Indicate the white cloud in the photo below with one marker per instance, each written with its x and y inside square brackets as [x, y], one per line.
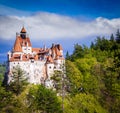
[52, 26]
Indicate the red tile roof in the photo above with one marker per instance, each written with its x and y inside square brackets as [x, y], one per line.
[23, 42]
[36, 50]
[19, 42]
[17, 46]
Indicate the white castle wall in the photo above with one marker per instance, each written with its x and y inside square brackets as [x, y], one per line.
[27, 50]
[50, 72]
[35, 71]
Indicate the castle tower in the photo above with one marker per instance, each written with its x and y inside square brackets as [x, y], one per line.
[38, 63]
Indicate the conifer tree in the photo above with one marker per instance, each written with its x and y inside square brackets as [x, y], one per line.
[19, 80]
[118, 36]
[67, 55]
[112, 38]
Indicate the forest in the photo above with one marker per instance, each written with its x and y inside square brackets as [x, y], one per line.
[90, 83]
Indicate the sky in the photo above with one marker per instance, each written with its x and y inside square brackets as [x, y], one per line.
[57, 21]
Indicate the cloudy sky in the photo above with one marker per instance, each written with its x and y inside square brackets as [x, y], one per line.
[57, 21]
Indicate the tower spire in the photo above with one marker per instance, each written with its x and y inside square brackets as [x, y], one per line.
[23, 30]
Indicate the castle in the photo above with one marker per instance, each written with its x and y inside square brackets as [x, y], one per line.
[38, 63]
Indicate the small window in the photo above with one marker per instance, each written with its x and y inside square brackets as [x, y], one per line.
[50, 67]
[32, 61]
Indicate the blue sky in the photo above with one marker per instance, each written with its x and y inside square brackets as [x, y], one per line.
[89, 8]
[57, 21]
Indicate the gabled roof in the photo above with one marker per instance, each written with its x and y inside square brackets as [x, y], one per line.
[56, 50]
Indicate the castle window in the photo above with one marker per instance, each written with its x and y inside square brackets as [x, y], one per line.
[50, 67]
[32, 61]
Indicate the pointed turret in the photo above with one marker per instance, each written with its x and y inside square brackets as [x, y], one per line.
[17, 46]
[23, 30]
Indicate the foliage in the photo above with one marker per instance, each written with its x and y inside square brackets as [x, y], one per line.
[44, 100]
[74, 78]
[99, 68]
[77, 53]
[83, 103]
[9, 103]
[2, 72]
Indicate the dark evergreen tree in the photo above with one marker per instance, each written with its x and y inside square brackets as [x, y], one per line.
[118, 36]
[92, 45]
[78, 52]
[112, 38]
[67, 55]
[19, 80]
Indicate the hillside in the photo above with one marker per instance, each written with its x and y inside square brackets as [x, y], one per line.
[98, 80]
[90, 84]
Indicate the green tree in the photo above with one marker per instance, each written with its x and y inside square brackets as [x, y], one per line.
[92, 45]
[112, 39]
[67, 55]
[83, 103]
[74, 78]
[2, 72]
[118, 36]
[43, 100]
[9, 103]
[85, 66]
[78, 52]
[57, 79]
[19, 80]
